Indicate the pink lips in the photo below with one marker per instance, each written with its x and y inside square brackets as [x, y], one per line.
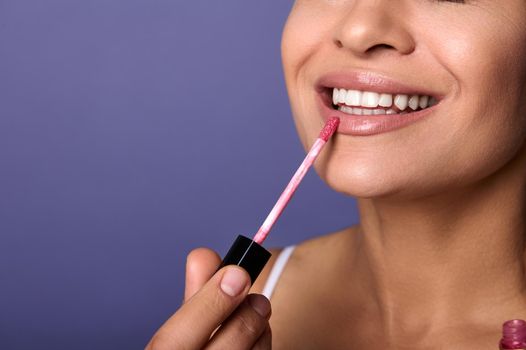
[364, 125]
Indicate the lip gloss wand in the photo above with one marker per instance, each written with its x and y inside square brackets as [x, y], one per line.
[249, 253]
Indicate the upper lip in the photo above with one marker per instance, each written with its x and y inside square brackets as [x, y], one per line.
[371, 81]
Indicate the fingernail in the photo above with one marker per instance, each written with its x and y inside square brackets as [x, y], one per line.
[260, 304]
[234, 281]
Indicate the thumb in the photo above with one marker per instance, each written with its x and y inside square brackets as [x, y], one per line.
[201, 264]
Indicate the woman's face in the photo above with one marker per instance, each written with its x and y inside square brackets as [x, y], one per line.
[470, 56]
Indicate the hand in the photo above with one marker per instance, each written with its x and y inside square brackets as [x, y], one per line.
[216, 302]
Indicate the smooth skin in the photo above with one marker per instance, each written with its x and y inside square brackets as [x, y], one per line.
[438, 260]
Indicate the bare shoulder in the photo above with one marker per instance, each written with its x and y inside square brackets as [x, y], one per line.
[325, 242]
[306, 255]
[310, 273]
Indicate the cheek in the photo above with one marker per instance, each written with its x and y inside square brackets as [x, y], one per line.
[308, 27]
[300, 39]
[487, 119]
[306, 36]
[293, 48]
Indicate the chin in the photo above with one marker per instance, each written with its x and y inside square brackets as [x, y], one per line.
[365, 178]
[360, 180]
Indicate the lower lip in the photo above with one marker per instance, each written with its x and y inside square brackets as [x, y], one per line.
[365, 125]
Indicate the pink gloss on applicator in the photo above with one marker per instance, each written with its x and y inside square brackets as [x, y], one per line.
[248, 253]
[513, 335]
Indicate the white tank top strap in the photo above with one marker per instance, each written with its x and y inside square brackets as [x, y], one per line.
[276, 271]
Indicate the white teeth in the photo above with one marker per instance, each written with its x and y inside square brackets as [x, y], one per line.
[335, 93]
[423, 101]
[413, 102]
[338, 96]
[346, 109]
[353, 98]
[364, 111]
[386, 100]
[370, 99]
[400, 101]
[342, 95]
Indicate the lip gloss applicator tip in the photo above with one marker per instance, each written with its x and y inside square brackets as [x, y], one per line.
[513, 335]
[329, 129]
[249, 253]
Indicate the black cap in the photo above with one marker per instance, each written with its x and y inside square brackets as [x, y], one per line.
[248, 254]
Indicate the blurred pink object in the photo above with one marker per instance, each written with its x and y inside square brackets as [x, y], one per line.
[513, 335]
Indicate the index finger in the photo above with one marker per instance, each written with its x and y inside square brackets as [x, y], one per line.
[201, 264]
[191, 326]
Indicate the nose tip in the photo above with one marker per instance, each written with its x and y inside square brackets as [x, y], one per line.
[368, 27]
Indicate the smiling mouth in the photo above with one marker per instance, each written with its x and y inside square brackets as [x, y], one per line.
[357, 102]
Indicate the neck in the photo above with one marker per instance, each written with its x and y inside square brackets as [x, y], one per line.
[454, 256]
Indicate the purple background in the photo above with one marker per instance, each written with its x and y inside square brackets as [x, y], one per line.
[132, 131]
